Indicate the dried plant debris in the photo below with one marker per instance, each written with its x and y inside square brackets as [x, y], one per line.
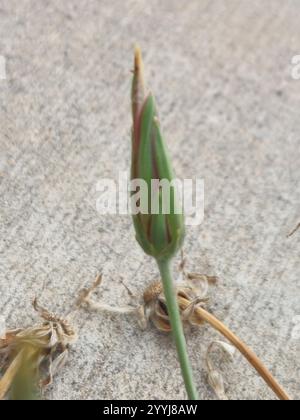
[215, 378]
[33, 355]
[191, 294]
[192, 290]
[85, 300]
[294, 230]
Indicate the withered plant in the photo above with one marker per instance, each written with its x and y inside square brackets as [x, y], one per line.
[30, 357]
[192, 299]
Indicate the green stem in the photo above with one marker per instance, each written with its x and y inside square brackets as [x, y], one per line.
[177, 328]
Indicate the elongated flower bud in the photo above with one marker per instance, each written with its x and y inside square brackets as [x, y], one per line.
[159, 228]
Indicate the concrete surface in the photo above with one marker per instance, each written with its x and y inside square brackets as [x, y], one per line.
[230, 111]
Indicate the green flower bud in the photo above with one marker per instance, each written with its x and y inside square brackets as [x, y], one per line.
[160, 233]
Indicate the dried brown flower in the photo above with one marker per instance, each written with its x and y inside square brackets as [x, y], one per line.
[46, 345]
[190, 295]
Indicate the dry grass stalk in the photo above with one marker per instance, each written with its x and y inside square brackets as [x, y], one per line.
[46, 345]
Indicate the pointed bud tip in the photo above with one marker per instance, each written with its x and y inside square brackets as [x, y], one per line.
[138, 62]
[139, 65]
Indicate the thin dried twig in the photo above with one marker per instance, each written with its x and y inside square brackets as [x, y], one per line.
[85, 294]
[294, 230]
[86, 300]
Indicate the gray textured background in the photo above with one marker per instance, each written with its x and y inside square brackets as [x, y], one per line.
[230, 111]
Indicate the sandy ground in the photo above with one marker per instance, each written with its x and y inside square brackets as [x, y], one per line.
[229, 106]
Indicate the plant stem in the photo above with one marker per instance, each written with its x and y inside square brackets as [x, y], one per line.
[242, 347]
[177, 328]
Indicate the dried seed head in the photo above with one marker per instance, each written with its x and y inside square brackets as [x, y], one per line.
[54, 319]
[153, 291]
[47, 345]
[189, 298]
